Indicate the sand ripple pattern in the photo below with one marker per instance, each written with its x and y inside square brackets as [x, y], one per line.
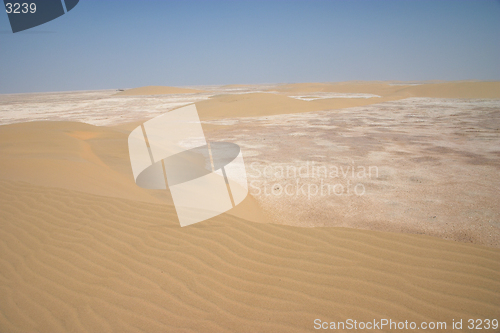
[74, 262]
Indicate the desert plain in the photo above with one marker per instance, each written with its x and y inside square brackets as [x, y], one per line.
[367, 200]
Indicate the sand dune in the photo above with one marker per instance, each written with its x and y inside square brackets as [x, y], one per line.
[157, 90]
[458, 89]
[253, 104]
[82, 157]
[370, 87]
[69, 155]
[79, 262]
[453, 90]
[264, 104]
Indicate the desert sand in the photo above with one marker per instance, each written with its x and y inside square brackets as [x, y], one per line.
[85, 249]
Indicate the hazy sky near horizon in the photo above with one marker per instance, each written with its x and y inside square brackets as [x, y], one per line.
[110, 44]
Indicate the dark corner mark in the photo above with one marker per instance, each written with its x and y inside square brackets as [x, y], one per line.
[27, 14]
[70, 4]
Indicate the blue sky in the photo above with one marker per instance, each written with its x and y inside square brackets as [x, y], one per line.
[130, 43]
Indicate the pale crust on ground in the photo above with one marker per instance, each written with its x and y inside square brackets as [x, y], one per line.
[157, 90]
[420, 165]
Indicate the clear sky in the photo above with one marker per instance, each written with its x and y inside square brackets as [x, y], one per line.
[129, 43]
